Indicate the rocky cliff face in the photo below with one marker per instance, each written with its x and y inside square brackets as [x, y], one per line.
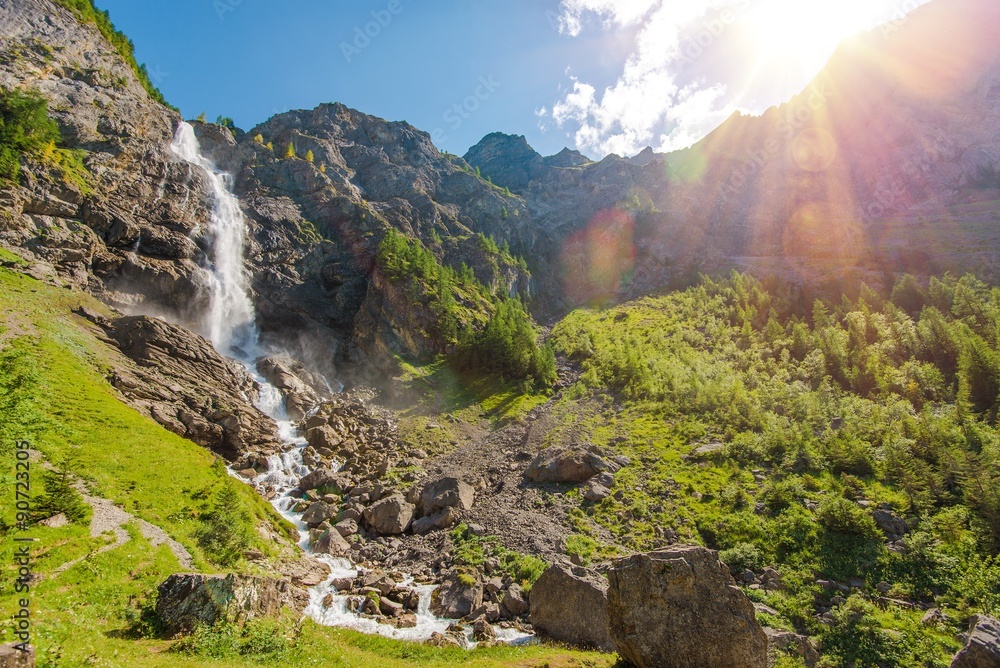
[317, 224]
[135, 235]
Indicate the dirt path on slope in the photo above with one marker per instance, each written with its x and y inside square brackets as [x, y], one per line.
[109, 517]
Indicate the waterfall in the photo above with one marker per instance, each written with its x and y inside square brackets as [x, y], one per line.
[229, 322]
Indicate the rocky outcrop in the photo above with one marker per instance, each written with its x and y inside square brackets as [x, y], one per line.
[181, 382]
[679, 607]
[186, 601]
[983, 647]
[570, 604]
[131, 234]
[568, 465]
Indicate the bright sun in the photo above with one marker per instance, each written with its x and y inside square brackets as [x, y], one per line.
[804, 33]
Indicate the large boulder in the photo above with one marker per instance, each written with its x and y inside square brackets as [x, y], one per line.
[391, 516]
[457, 597]
[568, 465]
[187, 600]
[679, 608]
[983, 648]
[327, 480]
[446, 493]
[570, 604]
[445, 519]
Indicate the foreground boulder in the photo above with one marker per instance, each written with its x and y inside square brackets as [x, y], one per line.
[570, 604]
[983, 648]
[188, 600]
[572, 466]
[679, 608]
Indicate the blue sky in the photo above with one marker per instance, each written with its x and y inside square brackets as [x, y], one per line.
[252, 59]
[597, 75]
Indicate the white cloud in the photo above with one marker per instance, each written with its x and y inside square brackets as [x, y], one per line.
[614, 12]
[648, 103]
[669, 96]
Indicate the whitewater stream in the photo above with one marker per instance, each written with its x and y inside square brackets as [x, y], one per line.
[230, 324]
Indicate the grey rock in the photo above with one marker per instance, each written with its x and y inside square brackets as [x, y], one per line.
[793, 644]
[568, 465]
[187, 600]
[318, 512]
[570, 604]
[680, 607]
[514, 603]
[444, 493]
[455, 599]
[391, 516]
[983, 647]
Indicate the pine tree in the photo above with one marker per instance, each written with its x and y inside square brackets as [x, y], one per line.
[309, 156]
[258, 139]
[290, 151]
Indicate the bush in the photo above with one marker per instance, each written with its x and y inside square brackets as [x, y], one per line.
[260, 639]
[840, 516]
[59, 497]
[228, 528]
[743, 557]
[25, 129]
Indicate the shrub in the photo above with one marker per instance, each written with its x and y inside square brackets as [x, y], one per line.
[228, 528]
[743, 557]
[258, 139]
[840, 516]
[59, 497]
[25, 129]
[260, 639]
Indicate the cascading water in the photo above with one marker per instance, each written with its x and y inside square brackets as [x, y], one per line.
[230, 323]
